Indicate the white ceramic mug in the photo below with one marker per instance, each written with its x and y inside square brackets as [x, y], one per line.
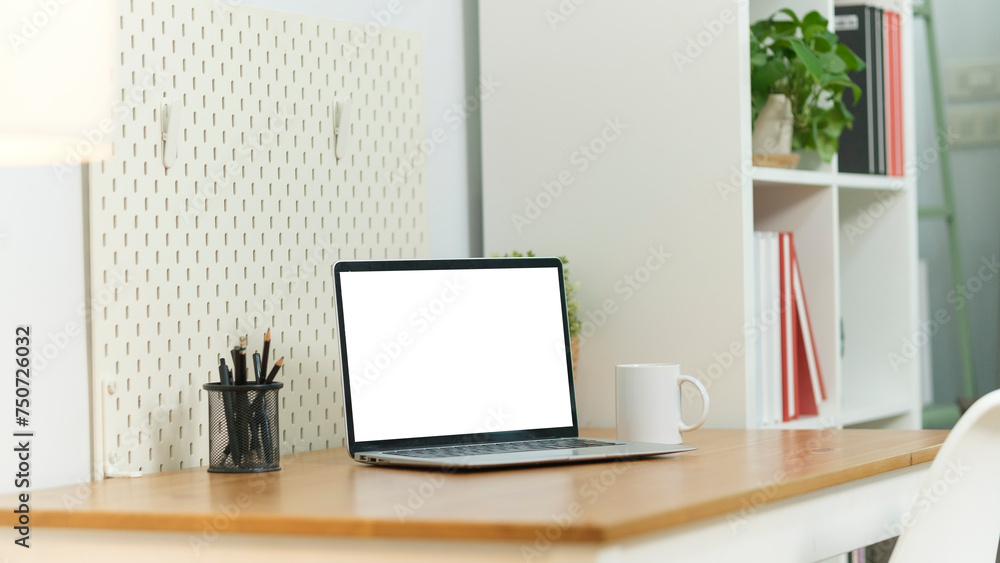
[648, 401]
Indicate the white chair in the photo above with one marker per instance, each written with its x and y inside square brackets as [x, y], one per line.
[956, 515]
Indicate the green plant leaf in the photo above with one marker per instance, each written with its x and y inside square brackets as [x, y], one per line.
[846, 83]
[846, 115]
[833, 64]
[768, 74]
[814, 18]
[760, 30]
[783, 29]
[819, 43]
[826, 146]
[837, 114]
[808, 58]
[852, 60]
[788, 12]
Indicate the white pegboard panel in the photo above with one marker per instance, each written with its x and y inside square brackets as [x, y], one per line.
[240, 234]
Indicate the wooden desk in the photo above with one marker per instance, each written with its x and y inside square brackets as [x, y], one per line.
[745, 494]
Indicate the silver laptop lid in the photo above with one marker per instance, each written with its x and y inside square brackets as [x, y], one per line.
[454, 351]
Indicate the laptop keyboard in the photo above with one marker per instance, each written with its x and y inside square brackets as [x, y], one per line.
[502, 447]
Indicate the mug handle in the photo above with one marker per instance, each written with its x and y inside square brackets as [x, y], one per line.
[704, 398]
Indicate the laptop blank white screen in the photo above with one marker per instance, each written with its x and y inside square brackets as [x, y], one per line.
[446, 352]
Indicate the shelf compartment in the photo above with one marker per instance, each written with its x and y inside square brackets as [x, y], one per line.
[878, 304]
[809, 212]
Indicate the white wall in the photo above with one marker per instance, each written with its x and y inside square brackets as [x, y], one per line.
[600, 147]
[42, 228]
[965, 32]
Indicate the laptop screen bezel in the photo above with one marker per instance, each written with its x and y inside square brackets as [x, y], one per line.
[449, 264]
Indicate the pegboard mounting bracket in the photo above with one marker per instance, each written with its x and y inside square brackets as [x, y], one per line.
[171, 112]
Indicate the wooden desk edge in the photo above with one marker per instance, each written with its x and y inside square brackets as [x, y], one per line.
[197, 523]
[790, 489]
[346, 528]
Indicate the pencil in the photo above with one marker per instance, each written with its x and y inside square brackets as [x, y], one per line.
[232, 440]
[224, 372]
[267, 349]
[235, 352]
[241, 373]
[274, 370]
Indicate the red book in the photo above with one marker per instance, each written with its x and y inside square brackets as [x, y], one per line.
[806, 394]
[889, 96]
[789, 394]
[893, 79]
[897, 105]
[811, 390]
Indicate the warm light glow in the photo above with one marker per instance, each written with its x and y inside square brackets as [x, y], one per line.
[56, 80]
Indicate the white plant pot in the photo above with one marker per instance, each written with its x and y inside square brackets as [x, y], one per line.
[772, 132]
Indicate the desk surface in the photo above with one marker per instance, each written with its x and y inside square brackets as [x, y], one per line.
[325, 493]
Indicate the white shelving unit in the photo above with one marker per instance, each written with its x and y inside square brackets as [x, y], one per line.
[673, 190]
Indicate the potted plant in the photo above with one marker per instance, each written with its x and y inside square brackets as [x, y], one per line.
[799, 72]
[572, 306]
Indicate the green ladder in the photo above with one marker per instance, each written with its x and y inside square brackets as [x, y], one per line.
[944, 415]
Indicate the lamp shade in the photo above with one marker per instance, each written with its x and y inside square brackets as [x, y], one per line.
[56, 90]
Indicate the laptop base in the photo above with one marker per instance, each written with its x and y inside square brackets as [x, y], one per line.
[613, 451]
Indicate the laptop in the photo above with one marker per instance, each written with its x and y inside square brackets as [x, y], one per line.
[462, 364]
